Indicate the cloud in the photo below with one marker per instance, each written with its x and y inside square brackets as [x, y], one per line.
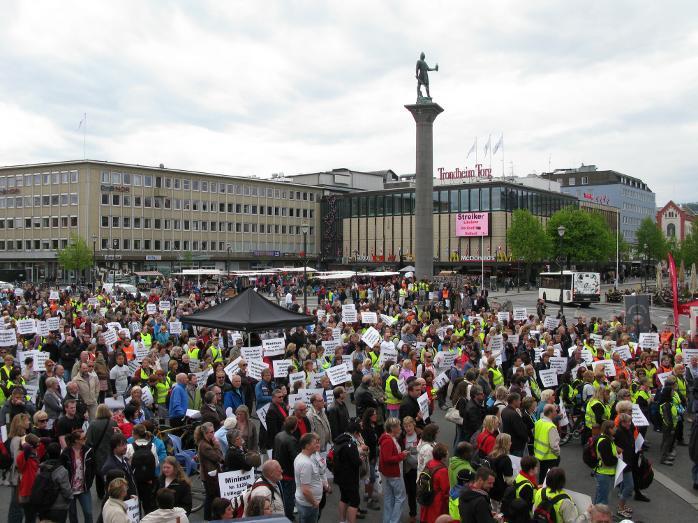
[249, 88]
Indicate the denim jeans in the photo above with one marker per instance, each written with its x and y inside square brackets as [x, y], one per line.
[393, 499]
[288, 495]
[604, 482]
[306, 514]
[627, 486]
[85, 500]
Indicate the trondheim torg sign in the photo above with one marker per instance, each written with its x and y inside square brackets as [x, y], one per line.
[476, 174]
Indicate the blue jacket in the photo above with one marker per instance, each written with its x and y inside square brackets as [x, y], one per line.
[179, 401]
[233, 399]
[262, 392]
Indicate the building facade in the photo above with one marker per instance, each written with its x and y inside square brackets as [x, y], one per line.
[633, 198]
[675, 222]
[470, 223]
[148, 218]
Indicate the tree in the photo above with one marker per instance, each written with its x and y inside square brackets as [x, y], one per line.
[77, 256]
[587, 236]
[649, 234]
[527, 239]
[188, 258]
[688, 250]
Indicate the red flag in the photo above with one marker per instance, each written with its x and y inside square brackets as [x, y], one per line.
[675, 289]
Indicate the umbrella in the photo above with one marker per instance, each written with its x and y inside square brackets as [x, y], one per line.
[659, 277]
[409, 268]
[693, 285]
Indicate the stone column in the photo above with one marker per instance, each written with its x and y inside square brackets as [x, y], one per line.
[424, 114]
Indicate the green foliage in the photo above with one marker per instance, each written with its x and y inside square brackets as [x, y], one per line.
[649, 234]
[77, 255]
[587, 236]
[688, 250]
[526, 237]
[188, 258]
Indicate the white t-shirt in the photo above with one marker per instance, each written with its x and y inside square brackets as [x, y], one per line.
[307, 472]
[120, 377]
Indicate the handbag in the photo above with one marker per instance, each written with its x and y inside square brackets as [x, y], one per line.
[453, 415]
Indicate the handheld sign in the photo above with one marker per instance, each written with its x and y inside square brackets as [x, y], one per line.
[587, 356]
[369, 317]
[330, 345]
[53, 296]
[548, 377]
[639, 418]
[497, 343]
[387, 354]
[141, 352]
[448, 358]
[133, 511]
[624, 352]
[233, 484]
[551, 323]
[608, 367]
[274, 347]
[649, 340]
[663, 376]
[520, 314]
[26, 327]
[349, 316]
[92, 302]
[296, 376]
[262, 415]
[503, 316]
[598, 340]
[255, 368]
[320, 313]
[41, 328]
[559, 364]
[402, 386]
[164, 306]
[151, 308]
[338, 374]
[423, 402]
[114, 404]
[53, 323]
[19, 292]
[281, 368]
[251, 353]
[371, 337]
[232, 368]
[441, 380]
[110, 337]
[175, 327]
[388, 320]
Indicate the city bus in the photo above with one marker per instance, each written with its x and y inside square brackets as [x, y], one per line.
[578, 288]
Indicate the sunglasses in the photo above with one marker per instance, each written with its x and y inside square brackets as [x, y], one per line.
[43, 420]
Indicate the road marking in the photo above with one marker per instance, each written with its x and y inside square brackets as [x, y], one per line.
[677, 489]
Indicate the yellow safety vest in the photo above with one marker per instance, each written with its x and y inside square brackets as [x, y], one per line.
[541, 440]
[193, 354]
[549, 494]
[497, 377]
[216, 354]
[589, 417]
[520, 482]
[608, 470]
[681, 387]
[147, 340]
[390, 398]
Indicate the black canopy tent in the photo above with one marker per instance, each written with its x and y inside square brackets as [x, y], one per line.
[248, 312]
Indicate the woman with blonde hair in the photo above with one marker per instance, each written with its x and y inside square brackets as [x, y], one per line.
[501, 465]
[486, 439]
[249, 430]
[114, 510]
[210, 460]
[172, 476]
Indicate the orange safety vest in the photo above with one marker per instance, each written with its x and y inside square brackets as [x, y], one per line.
[129, 351]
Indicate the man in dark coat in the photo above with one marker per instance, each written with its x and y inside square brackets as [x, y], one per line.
[363, 396]
[474, 413]
[338, 414]
[286, 449]
[409, 405]
[117, 460]
[514, 425]
[276, 415]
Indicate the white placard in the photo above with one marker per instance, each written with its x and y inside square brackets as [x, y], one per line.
[26, 327]
[423, 402]
[54, 323]
[448, 357]
[551, 323]
[164, 305]
[132, 510]
[147, 396]
[520, 314]
[133, 366]
[320, 313]
[141, 352]
[19, 292]
[114, 404]
[175, 327]
[295, 376]
[387, 354]
[232, 368]
[252, 353]
[624, 352]
[194, 365]
[548, 378]
[513, 339]
[274, 347]
[338, 374]
[255, 368]
[388, 320]
[597, 339]
[110, 337]
[337, 333]
[349, 316]
[441, 380]
[639, 441]
[402, 386]
[515, 464]
[92, 302]
[53, 295]
[609, 368]
[559, 364]
[663, 376]
[281, 368]
[40, 358]
[201, 378]
[639, 418]
[503, 316]
[151, 308]
[192, 414]
[620, 467]
[41, 328]
[308, 393]
[330, 345]
[32, 391]
[233, 484]
[371, 337]
[649, 340]
[587, 356]
[262, 415]
[369, 317]
[114, 325]
[497, 343]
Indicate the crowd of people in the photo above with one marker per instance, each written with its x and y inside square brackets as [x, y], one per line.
[120, 391]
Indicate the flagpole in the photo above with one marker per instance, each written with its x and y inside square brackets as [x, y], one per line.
[502, 147]
[84, 133]
[476, 150]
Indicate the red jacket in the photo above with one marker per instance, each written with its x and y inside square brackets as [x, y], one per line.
[28, 468]
[441, 489]
[389, 457]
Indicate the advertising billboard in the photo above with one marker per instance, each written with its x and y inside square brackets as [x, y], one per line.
[473, 224]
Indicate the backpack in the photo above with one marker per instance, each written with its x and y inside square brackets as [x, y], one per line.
[425, 484]
[645, 473]
[143, 463]
[545, 511]
[589, 454]
[5, 457]
[45, 490]
[513, 506]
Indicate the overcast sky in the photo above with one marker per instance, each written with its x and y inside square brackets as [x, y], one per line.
[256, 87]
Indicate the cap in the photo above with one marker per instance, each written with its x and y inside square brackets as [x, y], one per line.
[230, 423]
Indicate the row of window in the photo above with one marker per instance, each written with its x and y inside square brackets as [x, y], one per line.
[160, 202]
[39, 201]
[126, 222]
[38, 179]
[186, 184]
[36, 222]
[33, 245]
[643, 196]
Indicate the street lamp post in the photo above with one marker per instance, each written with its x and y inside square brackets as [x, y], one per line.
[94, 260]
[304, 230]
[227, 260]
[561, 233]
[647, 259]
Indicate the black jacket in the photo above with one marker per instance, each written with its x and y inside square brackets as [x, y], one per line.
[275, 424]
[338, 416]
[474, 506]
[113, 463]
[410, 407]
[235, 459]
[514, 425]
[364, 400]
[89, 465]
[182, 493]
[346, 454]
[473, 416]
[285, 451]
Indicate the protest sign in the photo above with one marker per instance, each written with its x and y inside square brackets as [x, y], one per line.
[503, 316]
[513, 339]
[41, 328]
[251, 353]
[337, 333]
[609, 368]
[497, 343]
[26, 327]
[194, 365]
[147, 396]
[133, 366]
[663, 376]
[201, 378]
[232, 368]
[281, 368]
[114, 404]
[53, 323]
[624, 352]
[141, 352]
[164, 305]
[175, 327]
[309, 393]
[255, 368]
[151, 308]
[369, 317]
[330, 346]
[262, 415]
[551, 323]
[371, 337]
[19, 292]
[441, 380]
[402, 386]
[515, 464]
[92, 302]
[387, 354]
[32, 391]
[338, 374]
[114, 325]
[620, 467]
[295, 376]
[520, 314]
[53, 295]
[423, 402]
[388, 320]
[587, 356]
[548, 378]
[597, 339]
[133, 511]
[448, 357]
[233, 484]
[192, 414]
[349, 316]
[639, 418]
[110, 337]
[649, 340]
[274, 347]
[559, 364]
[40, 358]
[320, 313]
